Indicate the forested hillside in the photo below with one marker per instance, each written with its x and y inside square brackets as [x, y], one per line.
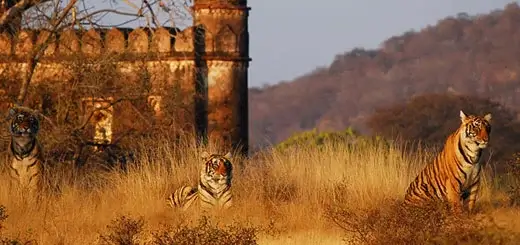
[464, 55]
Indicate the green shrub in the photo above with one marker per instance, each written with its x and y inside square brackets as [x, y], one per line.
[316, 139]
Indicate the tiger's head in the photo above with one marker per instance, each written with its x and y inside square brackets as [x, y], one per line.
[24, 123]
[217, 168]
[475, 130]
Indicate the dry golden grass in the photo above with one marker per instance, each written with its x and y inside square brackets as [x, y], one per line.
[285, 195]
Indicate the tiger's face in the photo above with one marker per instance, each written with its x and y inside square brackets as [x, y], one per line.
[217, 168]
[476, 130]
[24, 124]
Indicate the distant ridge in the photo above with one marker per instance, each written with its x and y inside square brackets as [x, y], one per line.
[472, 55]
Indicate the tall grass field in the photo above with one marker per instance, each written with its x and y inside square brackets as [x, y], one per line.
[332, 194]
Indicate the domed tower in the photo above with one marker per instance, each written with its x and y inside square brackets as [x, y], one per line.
[223, 61]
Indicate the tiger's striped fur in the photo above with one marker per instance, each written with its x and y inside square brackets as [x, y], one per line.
[214, 188]
[454, 175]
[25, 152]
[183, 197]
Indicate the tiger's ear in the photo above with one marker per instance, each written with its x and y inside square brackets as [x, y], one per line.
[38, 114]
[228, 155]
[205, 155]
[12, 111]
[487, 117]
[463, 116]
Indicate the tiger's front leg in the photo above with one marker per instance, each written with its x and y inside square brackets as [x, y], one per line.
[469, 201]
[453, 196]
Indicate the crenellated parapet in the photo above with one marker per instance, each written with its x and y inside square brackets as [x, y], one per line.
[160, 42]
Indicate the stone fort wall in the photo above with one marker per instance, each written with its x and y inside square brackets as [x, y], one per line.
[208, 61]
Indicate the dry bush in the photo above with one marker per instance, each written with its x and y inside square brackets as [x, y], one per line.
[393, 223]
[6, 239]
[511, 180]
[129, 231]
[123, 231]
[205, 232]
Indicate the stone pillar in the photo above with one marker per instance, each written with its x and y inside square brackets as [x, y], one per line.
[225, 65]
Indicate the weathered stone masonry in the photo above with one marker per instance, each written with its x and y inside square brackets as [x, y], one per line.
[210, 59]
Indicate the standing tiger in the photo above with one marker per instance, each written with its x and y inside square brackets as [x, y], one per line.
[454, 175]
[25, 153]
[214, 189]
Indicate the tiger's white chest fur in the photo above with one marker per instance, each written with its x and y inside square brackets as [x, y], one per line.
[472, 172]
[25, 170]
[217, 185]
[215, 191]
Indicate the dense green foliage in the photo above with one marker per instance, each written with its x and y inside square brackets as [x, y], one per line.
[315, 138]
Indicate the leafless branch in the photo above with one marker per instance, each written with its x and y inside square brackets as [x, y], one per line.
[104, 11]
[154, 17]
[15, 11]
[35, 54]
[92, 23]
